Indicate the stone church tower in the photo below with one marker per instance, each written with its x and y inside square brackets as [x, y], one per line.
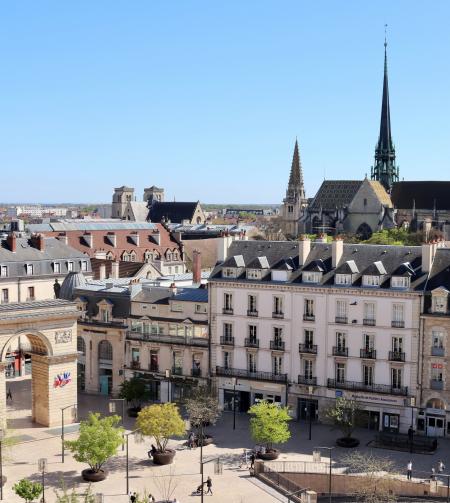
[295, 197]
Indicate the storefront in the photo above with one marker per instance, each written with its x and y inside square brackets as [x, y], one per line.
[248, 393]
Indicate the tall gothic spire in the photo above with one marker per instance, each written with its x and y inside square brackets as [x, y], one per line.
[296, 176]
[385, 169]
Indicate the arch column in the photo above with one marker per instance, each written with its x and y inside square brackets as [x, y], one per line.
[54, 385]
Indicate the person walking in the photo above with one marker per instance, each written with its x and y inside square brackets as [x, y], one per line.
[133, 497]
[441, 466]
[209, 486]
[409, 470]
[9, 395]
[151, 499]
[191, 440]
[252, 461]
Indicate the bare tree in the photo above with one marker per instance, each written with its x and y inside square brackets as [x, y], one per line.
[374, 477]
[166, 485]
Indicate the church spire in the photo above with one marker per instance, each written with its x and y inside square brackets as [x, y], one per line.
[385, 170]
[295, 186]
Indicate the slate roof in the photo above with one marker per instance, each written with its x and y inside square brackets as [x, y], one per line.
[335, 194]
[119, 300]
[348, 267]
[140, 210]
[173, 211]
[126, 269]
[424, 193]
[192, 295]
[440, 271]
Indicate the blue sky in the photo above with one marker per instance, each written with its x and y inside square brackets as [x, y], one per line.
[206, 98]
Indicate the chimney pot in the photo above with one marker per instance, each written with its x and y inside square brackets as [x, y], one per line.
[197, 267]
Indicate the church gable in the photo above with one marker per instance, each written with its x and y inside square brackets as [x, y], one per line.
[370, 197]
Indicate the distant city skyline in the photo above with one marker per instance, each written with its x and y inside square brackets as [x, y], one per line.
[206, 100]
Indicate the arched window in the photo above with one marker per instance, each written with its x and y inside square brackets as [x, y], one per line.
[81, 345]
[436, 403]
[175, 255]
[109, 256]
[169, 255]
[105, 350]
[364, 231]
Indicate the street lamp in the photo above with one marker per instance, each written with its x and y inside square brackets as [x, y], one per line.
[112, 410]
[329, 476]
[234, 381]
[74, 408]
[168, 384]
[42, 466]
[2, 437]
[217, 470]
[134, 432]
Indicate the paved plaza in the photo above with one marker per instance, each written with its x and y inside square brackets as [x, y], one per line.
[234, 485]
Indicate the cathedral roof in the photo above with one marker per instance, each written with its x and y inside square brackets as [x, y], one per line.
[335, 194]
[421, 194]
[381, 193]
[175, 212]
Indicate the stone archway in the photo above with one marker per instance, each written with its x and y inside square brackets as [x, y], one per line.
[50, 328]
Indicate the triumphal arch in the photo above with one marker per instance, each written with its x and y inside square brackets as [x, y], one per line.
[48, 331]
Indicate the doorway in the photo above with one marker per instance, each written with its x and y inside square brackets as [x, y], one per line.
[306, 407]
[435, 426]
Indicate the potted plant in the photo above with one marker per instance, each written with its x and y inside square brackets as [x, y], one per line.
[268, 426]
[202, 409]
[134, 391]
[27, 490]
[99, 439]
[161, 421]
[345, 415]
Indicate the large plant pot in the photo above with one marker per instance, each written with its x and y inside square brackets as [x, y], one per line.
[164, 458]
[91, 476]
[347, 442]
[269, 455]
[134, 411]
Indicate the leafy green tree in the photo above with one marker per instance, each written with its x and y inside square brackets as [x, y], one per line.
[160, 421]
[28, 490]
[202, 408]
[345, 415]
[269, 424]
[99, 439]
[65, 497]
[134, 391]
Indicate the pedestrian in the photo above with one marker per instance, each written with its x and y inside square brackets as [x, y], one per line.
[151, 499]
[209, 486]
[9, 395]
[409, 470]
[191, 440]
[441, 466]
[176, 501]
[133, 497]
[252, 461]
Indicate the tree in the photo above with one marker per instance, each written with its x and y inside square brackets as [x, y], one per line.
[99, 439]
[269, 424]
[345, 414]
[202, 408]
[134, 391]
[373, 482]
[73, 497]
[160, 421]
[27, 490]
[166, 485]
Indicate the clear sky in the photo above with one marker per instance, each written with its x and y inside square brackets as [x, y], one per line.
[205, 98]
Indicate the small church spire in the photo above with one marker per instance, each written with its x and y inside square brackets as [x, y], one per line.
[296, 176]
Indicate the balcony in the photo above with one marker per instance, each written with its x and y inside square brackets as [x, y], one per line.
[370, 322]
[396, 356]
[256, 376]
[278, 314]
[368, 354]
[340, 351]
[308, 381]
[251, 342]
[101, 323]
[177, 371]
[135, 364]
[437, 351]
[227, 310]
[277, 345]
[436, 384]
[252, 312]
[398, 324]
[226, 340]
[373, 388]
[168, 339]
[196, 372]
[309, 317]
[307, 348]
[341, 319]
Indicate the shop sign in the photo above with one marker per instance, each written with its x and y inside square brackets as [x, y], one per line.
[63, 336]
[62, 379]
[437, 366]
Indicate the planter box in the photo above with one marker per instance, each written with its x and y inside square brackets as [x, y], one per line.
[164, 458]
[270, 455]
[347, 442]
[92, 476]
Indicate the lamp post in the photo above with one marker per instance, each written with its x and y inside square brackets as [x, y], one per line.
[329, 475]
[308, 411]
[2, 437]
[72, 406]
[112, 410]
[218, 472]
[42, 466]
[168, 384]
[127, 475]
[233, 381]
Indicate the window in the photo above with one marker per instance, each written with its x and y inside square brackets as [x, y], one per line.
[369, 342]
[290, 209]
[397, 344]
[308, 369]
[439, 304]
[200, 308]
[105, 350]
[252, 333]
[105, 315]
[278, 305]
[368, 375]
[309, 338]
[341, 341]
[176, 307]
[70, 266]
[176, 269]
[277, 334]
[437, 372]
[252, 303]
[228, 331]
[5, 296]
[398, 315]
[371, 280]
[81, 345]
[400, 281]
[227, 360]
[154, 367]
[396, 378]
[57, 268]
[3, 271]
[30, 293]
[309, 308]
[369, 312]
[340, 372]
[84, 265]
[341, 309]
[253, 274]
[437, 337]
[277, 365]
[251, 362]
[228, 301]
[135, 355]
[343, 279]
[29, 269]
[229, 272]
[311, 277]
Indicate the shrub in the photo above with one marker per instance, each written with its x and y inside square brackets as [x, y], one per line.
[269, 424]
[27, 490]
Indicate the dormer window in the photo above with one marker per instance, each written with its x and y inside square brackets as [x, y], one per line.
[84, 265]
[400, 282]
[343, 279]
[371, 280]
[3, 271]
[311, 277]
[229, 272]
[56, 267]
[105, 314]
[29, 269]
[253, 274]
[439, 304]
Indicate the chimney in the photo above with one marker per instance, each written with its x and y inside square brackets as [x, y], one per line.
[40, 242]
[428, 252]
[102, 271]
[337, 249]
[304, 247]
[63, 238]
[197, 267]
[115, 270]
[223, 243]
[11, 241]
